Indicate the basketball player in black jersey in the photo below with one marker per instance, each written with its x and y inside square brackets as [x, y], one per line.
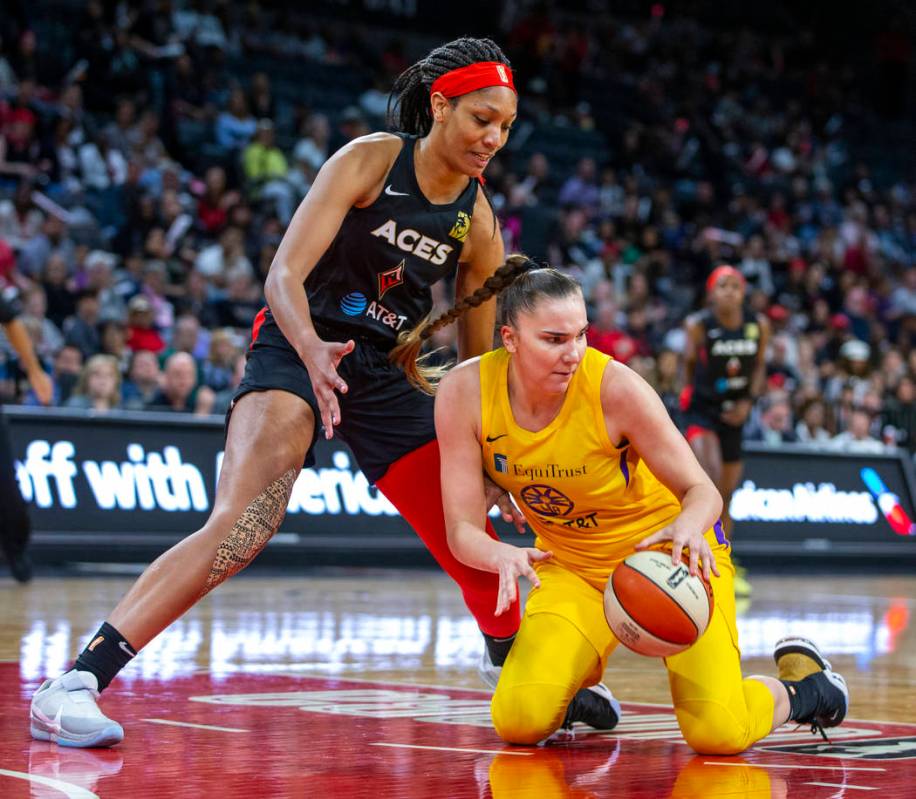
[726, 371]
[15, 526]
[387, 216]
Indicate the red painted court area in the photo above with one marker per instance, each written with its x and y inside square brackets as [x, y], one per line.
[290, 736]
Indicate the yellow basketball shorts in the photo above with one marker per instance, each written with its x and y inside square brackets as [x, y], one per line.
[563, 645]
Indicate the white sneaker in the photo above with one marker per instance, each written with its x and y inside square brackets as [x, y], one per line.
[65, 711]
[489, 672]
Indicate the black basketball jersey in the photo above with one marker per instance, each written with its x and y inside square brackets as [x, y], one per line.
[374, 280]
[725, 362]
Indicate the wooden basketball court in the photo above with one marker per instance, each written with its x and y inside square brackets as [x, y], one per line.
[364, 684]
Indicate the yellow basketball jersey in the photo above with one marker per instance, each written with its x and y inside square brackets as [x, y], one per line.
[587, 500]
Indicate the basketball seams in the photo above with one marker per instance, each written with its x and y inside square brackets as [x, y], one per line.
[649, 645]
[707, 592]
[647, 612]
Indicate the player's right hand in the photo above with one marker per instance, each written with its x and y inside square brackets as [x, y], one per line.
[514, 563]
[42, 386]
[324, 358]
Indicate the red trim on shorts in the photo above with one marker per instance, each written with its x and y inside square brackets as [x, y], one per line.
[695, 431]
[256, 325]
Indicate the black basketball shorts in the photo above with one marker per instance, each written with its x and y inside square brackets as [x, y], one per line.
[383, 417]
[698, 420]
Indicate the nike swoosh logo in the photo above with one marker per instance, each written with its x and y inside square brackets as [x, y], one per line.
[126, 648]
[392, 193]
[491, 439]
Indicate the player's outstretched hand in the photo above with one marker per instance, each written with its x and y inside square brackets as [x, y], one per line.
[41, 384]
[325, 357]
[514, 563]
[495, 495]
[694, 541]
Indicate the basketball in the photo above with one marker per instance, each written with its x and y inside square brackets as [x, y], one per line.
[656, 608]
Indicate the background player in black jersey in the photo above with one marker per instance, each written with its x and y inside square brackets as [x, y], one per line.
[725, 360]
[386, 217]
[15, 526]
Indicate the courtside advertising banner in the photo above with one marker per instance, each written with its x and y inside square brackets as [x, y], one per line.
[144, 480]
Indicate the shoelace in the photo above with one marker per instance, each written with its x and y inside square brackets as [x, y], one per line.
[815, 729]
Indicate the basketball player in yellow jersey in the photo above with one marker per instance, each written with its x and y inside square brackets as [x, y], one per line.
[590, 455]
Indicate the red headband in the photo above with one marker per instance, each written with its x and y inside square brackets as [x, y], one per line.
[723, 271]
[481, 75]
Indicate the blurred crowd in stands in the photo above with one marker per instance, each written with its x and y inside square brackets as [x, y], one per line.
[152, 153]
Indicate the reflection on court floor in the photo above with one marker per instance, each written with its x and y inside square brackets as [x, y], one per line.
[364, 685]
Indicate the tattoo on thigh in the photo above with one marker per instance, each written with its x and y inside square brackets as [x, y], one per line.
[250, 534]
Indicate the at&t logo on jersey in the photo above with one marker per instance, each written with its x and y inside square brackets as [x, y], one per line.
[412, 241]
[354, 303]
[387, 317]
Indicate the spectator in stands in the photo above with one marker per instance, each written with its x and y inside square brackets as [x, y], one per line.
[99, 386]
[900, 412]
[219, 367]
[312, 149]
[265, 168]
[581, 189]
[143, 379]
[68, 365]
[179, 391]
[113, 338]
[351, 125]
[187, 336]
[117, 132]
[101, 165]
[235, 126]
[857, 437]
[34, 312]
[775, 424]
[606, 335]
[810, 428]
[82, 329]
[242, 301]
[261, 99]
[141, 327]
[667, 382]
[217, 261]
[756, 267]
[153, 288]
[215, 201]
[99, 267]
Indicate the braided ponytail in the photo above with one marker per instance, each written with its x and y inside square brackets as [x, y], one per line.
[406, 354]
[408, 106]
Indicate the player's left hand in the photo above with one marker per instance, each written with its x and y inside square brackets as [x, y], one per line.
[695, 542]
[496, 495]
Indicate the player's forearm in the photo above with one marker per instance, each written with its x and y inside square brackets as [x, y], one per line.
[701, 506]
[473, 546]
[19, 339]
[289, 305]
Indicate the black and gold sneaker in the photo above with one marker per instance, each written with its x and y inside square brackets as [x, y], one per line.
[797, 658]
[817, 695]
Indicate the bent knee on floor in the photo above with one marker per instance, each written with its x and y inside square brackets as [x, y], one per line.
[714, 731]
[528, 714]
